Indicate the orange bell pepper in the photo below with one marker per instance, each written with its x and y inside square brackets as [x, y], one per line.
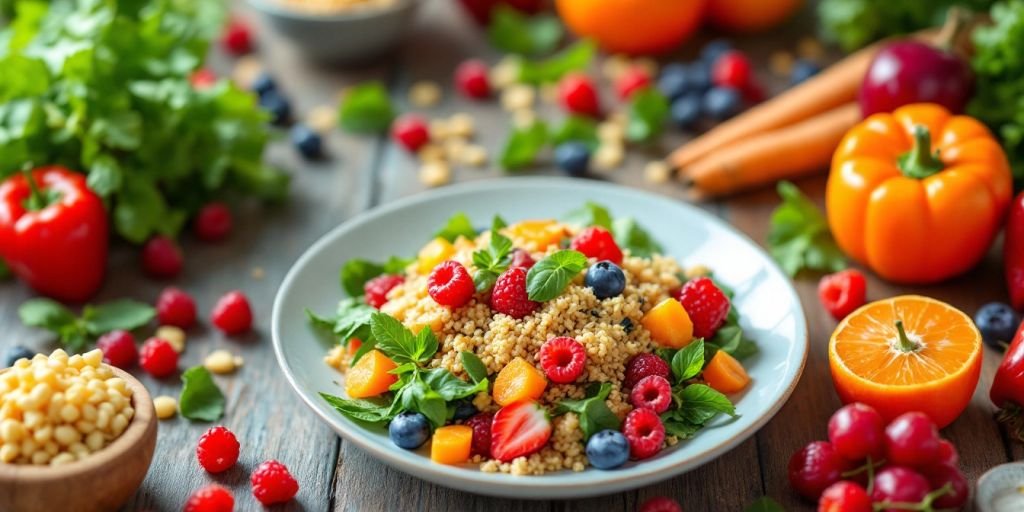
[917, 194]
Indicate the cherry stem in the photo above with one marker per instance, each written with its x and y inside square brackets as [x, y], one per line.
[924, 505]
[906, 344]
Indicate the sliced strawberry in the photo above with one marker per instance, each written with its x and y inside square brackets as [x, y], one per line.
[520, 428]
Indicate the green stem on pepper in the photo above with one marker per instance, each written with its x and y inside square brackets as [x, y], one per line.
[920, 162]
[36, 200]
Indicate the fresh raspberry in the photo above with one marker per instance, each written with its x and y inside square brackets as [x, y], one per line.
[450, 284]
[706, 305]
[509, 294]
[652, 392]
[471, 79]
[161, 257]
[212, 498]
[522, 259]
[175, 307]
[376, 289]
[597, 242]
[202, 78]
[118, 349]
[158, 357]
[634, 79]
[213, 222]
[411, 132]
[661, 504]
[644, 365]
[845, 496]
[578, 95]
[237, 38]
[645, 433]
[843, 292]
[481, 425]
[232, 313]
[217, 450]
[562, 359]
[732, 69]
[272, 483]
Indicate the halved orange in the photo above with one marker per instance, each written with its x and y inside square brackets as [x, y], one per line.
[907, 353]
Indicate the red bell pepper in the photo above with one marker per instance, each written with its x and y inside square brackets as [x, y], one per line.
[1013, 252]
[54, 232]
[1007, 391]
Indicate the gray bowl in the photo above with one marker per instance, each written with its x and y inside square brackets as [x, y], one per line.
[343, 38]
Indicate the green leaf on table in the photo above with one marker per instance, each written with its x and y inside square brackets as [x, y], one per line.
[45, 313]
[699, 403]
[548, 277]
[362, 410]
[491, 261]
[593, 411]
[201, 399]
[574, 58]
[648, 111]
[577, 129]
[513, 32]
[590, 214]
[458, 225]
[366, 108]
[474, 366]
[688, 361]
[799, 237]
[765, 504]
[523, 146]
[629, 235]
[123, 314]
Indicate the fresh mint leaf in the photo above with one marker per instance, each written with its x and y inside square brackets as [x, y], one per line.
[394, 339]
[688, 361]
[352, 319]
[492, 261]
[498, 223]
[473, 366]
[201, 399]
[366, 109]
[124, 314]
[513, 32]
[799, 237]
[574, 58]
[549, 276]
[523, 146]
[426, 345]
[450, 387]
[648, 111]
[458, 225]
[593, 411]
[355, 273]
[362, 410]
[590, 214]
[76, 333]
[577, 129]
[419, 397]
[629, 235]
[700, 403]
[765, 504]
[364, 348]
[675, 425]
[45, 313]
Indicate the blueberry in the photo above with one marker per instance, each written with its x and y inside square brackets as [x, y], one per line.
[464, 409]
[685, 111]
[262, 84]
[16, 352]
[573, 158]
[802, 70]
[721, 103]
[674, 80]
[277, 105]
[606, 279]
[997, 323]
[698, 77]
[307, 142]
[607, 449]
[713, 50]
[409, 430]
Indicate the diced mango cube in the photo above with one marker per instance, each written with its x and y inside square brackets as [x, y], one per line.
[669, 324]
[451, 444]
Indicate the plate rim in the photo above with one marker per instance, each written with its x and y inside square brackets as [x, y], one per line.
[478, 482]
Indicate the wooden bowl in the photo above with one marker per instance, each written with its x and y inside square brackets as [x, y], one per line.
[104, 480]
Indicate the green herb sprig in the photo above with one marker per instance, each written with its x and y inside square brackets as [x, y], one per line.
[76, 332]
[592, 411]
[548, 278]
[799, 238]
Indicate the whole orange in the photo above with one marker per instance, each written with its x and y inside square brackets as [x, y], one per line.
[633, 26]
[749, 15]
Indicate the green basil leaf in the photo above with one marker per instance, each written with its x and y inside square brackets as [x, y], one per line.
[677, 426]
[629, 235]
[366, 109]
[513, 32]
[45, 313]
[549, 276]
[498, 223]
[577, 129]
[426, 345]
[700, 403]
[73, 338]
[765, 504]
[648, 111]
[474, 366]
[450, 387]
[393, 338]
[201, 399]
[688, 361]
[121, 314]
[362, 410]
[417, 396]
[593, 412]
[365, 348]
[799, 237]
[353, 319]
[574, 58]
[590, 214]
[458, 225]
[523, 146]
[355, 273]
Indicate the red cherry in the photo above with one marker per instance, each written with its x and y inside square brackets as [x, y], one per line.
[844, 496]
[471, 79]
[942, 474]
[857, 431]
[912, 440]
[232, 313]
[411, 132]
[237, 38]
[947, 453]
[213, 222]
[899, 484]
[161, 257]
[732, 69]
[634, 79]
[815, 467]
[578, 95]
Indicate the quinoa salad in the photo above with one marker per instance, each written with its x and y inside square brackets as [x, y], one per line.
[536, 346]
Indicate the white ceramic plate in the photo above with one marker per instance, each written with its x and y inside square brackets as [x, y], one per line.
[768, 305]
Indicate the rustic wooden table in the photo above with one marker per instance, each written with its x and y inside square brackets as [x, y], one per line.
[362, 173]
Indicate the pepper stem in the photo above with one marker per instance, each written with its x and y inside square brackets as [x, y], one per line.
[906, 344]
[36, 200]
[920, 162]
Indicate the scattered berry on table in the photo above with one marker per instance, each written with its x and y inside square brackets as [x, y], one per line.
[573, 158]
[721, 103]
[217, 450]
[606, 279]
[376, 290]
[685, 110]
[409, 430]
[706, 305]
[237, 37]
[845, 496]
[899, 484]
[644, 432]
[161, 257]
[175, 307]
[938, 476]
[711, 52]
[802, 70]
[644, 365]
[521, 259]
[464, 409]
[410, 130]
[308, 142]
[563, 359]
[509, 294]
[16, 352]
[212, 498]
[843, 292]
[857, 431]
[577, 95]
[262, 84]
[674, 81]
[731, 69]
[997, 322]
[698, 77]
[519, 429]
[450, 284]
[277, 105]
[213, 222]
[471, 79]
[631, 81]
[947, 453]
[912, 440]
[815, 467]
[272, 483]
[118, 349]
[653, 392]
[607, 449]
[661, 504]
[202, 78]
[232, 314]
[158, 358]
[481, 425]
[597, 242]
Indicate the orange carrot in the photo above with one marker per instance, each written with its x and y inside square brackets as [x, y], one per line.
[369, 376]
[788, 152]
[725, 374]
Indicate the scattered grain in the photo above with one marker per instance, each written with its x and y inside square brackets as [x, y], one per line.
[424, 94]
